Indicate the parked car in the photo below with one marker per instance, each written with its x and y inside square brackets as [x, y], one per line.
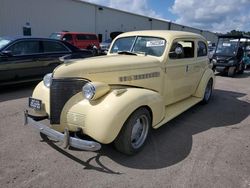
[211, 50]
[81, 40]
[104, 46]
[146, 79]
[229, 54]
[246, 57]
[25, 58]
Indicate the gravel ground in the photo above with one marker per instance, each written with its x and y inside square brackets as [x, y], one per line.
[207, 146]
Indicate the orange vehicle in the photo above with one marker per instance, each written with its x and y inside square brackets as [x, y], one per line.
[81, 40]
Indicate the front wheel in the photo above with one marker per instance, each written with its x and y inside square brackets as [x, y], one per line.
[208, 92]
[231, 71]
[134, 132]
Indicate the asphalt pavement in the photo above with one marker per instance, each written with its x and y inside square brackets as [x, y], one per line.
[206, 146]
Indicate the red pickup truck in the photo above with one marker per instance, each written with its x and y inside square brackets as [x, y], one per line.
[81, 40]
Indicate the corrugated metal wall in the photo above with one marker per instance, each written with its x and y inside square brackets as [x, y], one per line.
[47, 16]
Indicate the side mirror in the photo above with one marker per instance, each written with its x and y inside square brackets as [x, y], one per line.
[7, 53]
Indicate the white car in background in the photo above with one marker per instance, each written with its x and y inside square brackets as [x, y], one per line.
[104, 46]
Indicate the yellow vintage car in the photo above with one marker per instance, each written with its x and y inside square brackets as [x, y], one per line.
[146, 79]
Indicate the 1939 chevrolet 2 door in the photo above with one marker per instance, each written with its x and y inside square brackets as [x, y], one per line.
[146, 79]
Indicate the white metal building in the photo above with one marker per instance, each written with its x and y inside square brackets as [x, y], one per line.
[47, 16]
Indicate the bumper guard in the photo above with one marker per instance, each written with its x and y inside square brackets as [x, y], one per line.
[65, 138]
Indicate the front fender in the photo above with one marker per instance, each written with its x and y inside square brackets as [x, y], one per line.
[103, 118]
[208, 74]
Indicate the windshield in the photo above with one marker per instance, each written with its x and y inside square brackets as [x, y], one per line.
[140, 44]
[227, 46]
[4, 42]
[55, 36]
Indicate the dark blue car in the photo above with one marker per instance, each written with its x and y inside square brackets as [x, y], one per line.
[25, 58]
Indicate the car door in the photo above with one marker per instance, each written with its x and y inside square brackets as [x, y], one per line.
[200, 64]
[81, 41]
[21, 61]
[68, 38]
[52, 50]
[178, 85]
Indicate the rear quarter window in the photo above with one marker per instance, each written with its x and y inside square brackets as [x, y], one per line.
[52, 47]
[202, 49]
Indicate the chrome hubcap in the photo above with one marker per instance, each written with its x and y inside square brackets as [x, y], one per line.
[208, 91]
[139, 131]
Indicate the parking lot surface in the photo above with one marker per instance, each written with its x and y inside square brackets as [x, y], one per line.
[207, 146]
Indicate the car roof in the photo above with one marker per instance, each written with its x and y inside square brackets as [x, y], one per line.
[69, 32]
[162, 34]
[28, 38]
[236, 36]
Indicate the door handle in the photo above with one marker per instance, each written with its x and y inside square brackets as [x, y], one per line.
[187, 68]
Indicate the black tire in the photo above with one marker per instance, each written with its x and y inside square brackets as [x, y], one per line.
[134, 132]
[95, 52]
[231, 71]
[241, 68]
[208, 92]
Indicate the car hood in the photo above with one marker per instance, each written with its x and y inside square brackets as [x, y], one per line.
[110, 64]
[114, 69]
[222, 58]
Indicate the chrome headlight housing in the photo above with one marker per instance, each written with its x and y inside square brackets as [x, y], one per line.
[47, 80]
[95, 90]
[88, 91]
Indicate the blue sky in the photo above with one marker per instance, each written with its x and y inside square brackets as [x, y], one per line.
[162, 7]
[213, 15]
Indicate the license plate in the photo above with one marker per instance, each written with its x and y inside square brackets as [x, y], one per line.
[35, 103]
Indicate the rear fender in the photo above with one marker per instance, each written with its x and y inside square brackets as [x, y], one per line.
[209, 74]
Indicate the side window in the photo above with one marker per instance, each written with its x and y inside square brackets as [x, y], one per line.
[182, 49]
[91, 37]
[86, 37]
[25, 48]
[51, 46]
[202, 49]
[67, 37]
[81, 37]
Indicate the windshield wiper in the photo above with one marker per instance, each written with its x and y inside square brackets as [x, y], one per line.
[126, 53]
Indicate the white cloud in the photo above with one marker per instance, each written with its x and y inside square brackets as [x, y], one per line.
[220, 16]
[134, 6]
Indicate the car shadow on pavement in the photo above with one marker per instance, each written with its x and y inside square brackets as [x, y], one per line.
[172, 143]
[17, 91]
[86, 164]
[246, 74]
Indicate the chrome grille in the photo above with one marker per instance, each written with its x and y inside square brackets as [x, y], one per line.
[61, 91]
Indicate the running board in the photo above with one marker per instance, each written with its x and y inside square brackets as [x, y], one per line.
[175, 109]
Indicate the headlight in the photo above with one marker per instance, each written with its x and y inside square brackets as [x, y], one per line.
[88, 91]
[47, 79]
[214, 61]
[94, 90]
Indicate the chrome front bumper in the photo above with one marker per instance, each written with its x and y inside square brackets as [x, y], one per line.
[65, 138]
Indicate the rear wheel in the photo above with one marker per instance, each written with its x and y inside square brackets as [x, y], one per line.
[134, 132]
[208, 92]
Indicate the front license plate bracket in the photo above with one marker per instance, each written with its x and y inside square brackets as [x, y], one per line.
[35, 103]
